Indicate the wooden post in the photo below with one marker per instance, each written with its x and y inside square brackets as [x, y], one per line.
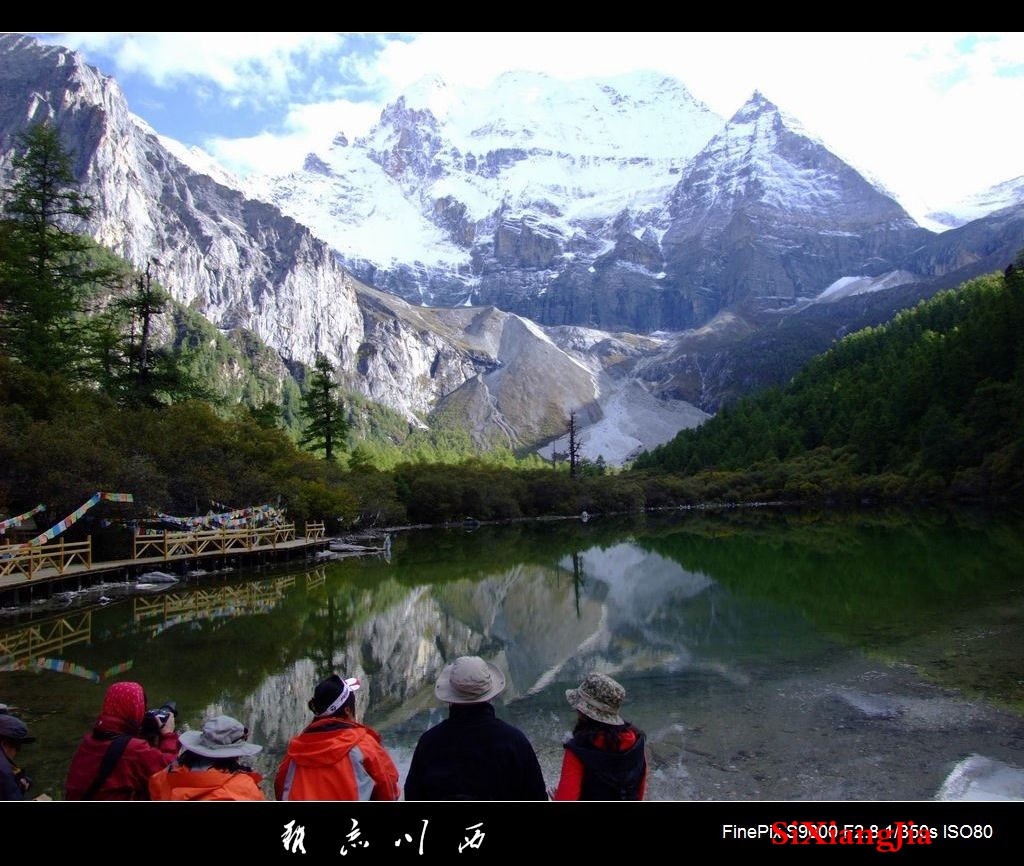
[166, 554]
[88, 552]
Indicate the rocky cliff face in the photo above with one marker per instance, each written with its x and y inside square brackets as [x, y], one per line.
[241, 262]
[493, 373]
[247, 267]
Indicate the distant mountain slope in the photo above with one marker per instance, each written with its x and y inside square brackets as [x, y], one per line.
[1009, 193]
[488, 195]
[934, 398]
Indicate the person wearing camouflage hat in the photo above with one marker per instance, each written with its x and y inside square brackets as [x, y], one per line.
[604, 759]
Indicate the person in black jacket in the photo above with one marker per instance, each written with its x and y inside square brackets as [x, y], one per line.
[473, 755]
[14, 784]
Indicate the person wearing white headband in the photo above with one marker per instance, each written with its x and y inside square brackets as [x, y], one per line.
[335, 757]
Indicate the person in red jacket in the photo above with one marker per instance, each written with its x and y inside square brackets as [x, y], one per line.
[335, 757]
[115, 760]
[208, 767]
[605, 758]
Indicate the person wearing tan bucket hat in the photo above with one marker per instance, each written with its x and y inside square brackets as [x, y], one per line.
[473, 755]
[604, 759]
[208, 767]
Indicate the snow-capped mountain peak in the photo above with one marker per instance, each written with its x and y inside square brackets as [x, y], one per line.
[766, 155]
[522, 169]
[766, 193]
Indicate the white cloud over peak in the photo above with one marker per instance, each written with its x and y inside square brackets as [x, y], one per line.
[916, 110]
[237, 63]
[307, 128]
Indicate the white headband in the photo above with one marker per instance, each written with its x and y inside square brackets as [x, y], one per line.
[347, 687]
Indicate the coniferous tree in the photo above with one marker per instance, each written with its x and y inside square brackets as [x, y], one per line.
[327, 425]
[46, 270]
[155, 375]
[143, 306]
[574, 446]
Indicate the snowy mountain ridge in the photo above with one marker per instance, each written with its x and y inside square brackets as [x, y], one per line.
[1009, 193]
[449, 176]
[589, 202]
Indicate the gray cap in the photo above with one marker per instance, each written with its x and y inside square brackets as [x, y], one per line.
[221, 737]
[12, 728]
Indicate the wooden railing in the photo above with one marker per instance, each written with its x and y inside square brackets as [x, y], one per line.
[27, 561]
[209, 603]
[57, 557]
[167, 544]
[42, 638]
[316, 577]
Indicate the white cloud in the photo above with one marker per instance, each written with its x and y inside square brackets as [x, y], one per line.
[929, 114]
[913, 109]
[238, 63]
[307, 128]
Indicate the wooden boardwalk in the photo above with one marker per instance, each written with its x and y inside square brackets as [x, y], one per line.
[42, 642]
[22, 566]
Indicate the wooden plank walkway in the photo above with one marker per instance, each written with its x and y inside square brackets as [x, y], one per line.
[24, 646]
[168, 548]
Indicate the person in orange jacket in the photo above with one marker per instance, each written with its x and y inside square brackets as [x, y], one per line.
[335, 757]
[208, 767]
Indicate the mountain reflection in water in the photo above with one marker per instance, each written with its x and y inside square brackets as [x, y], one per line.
[768, 656]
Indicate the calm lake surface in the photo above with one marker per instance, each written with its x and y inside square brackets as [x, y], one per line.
[768, 655]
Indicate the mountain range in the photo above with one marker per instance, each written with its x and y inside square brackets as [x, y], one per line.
[504, 255]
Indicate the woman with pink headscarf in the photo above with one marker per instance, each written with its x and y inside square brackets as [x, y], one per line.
[115, 760]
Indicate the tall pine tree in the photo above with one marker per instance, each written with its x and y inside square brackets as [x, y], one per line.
[327, 426]
[46, 271]
[574, 446]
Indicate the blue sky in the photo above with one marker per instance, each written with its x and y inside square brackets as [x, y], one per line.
[926, 114]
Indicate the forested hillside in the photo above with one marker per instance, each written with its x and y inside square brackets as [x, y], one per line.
[930, 403]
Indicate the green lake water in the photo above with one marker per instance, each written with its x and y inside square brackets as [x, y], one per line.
[768, 655]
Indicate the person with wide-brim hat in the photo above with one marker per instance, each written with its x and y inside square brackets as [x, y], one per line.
[209, 766]
[605, 758]
[473, 755]
[14, 784]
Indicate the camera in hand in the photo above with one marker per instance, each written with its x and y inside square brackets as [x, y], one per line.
[154, 720]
